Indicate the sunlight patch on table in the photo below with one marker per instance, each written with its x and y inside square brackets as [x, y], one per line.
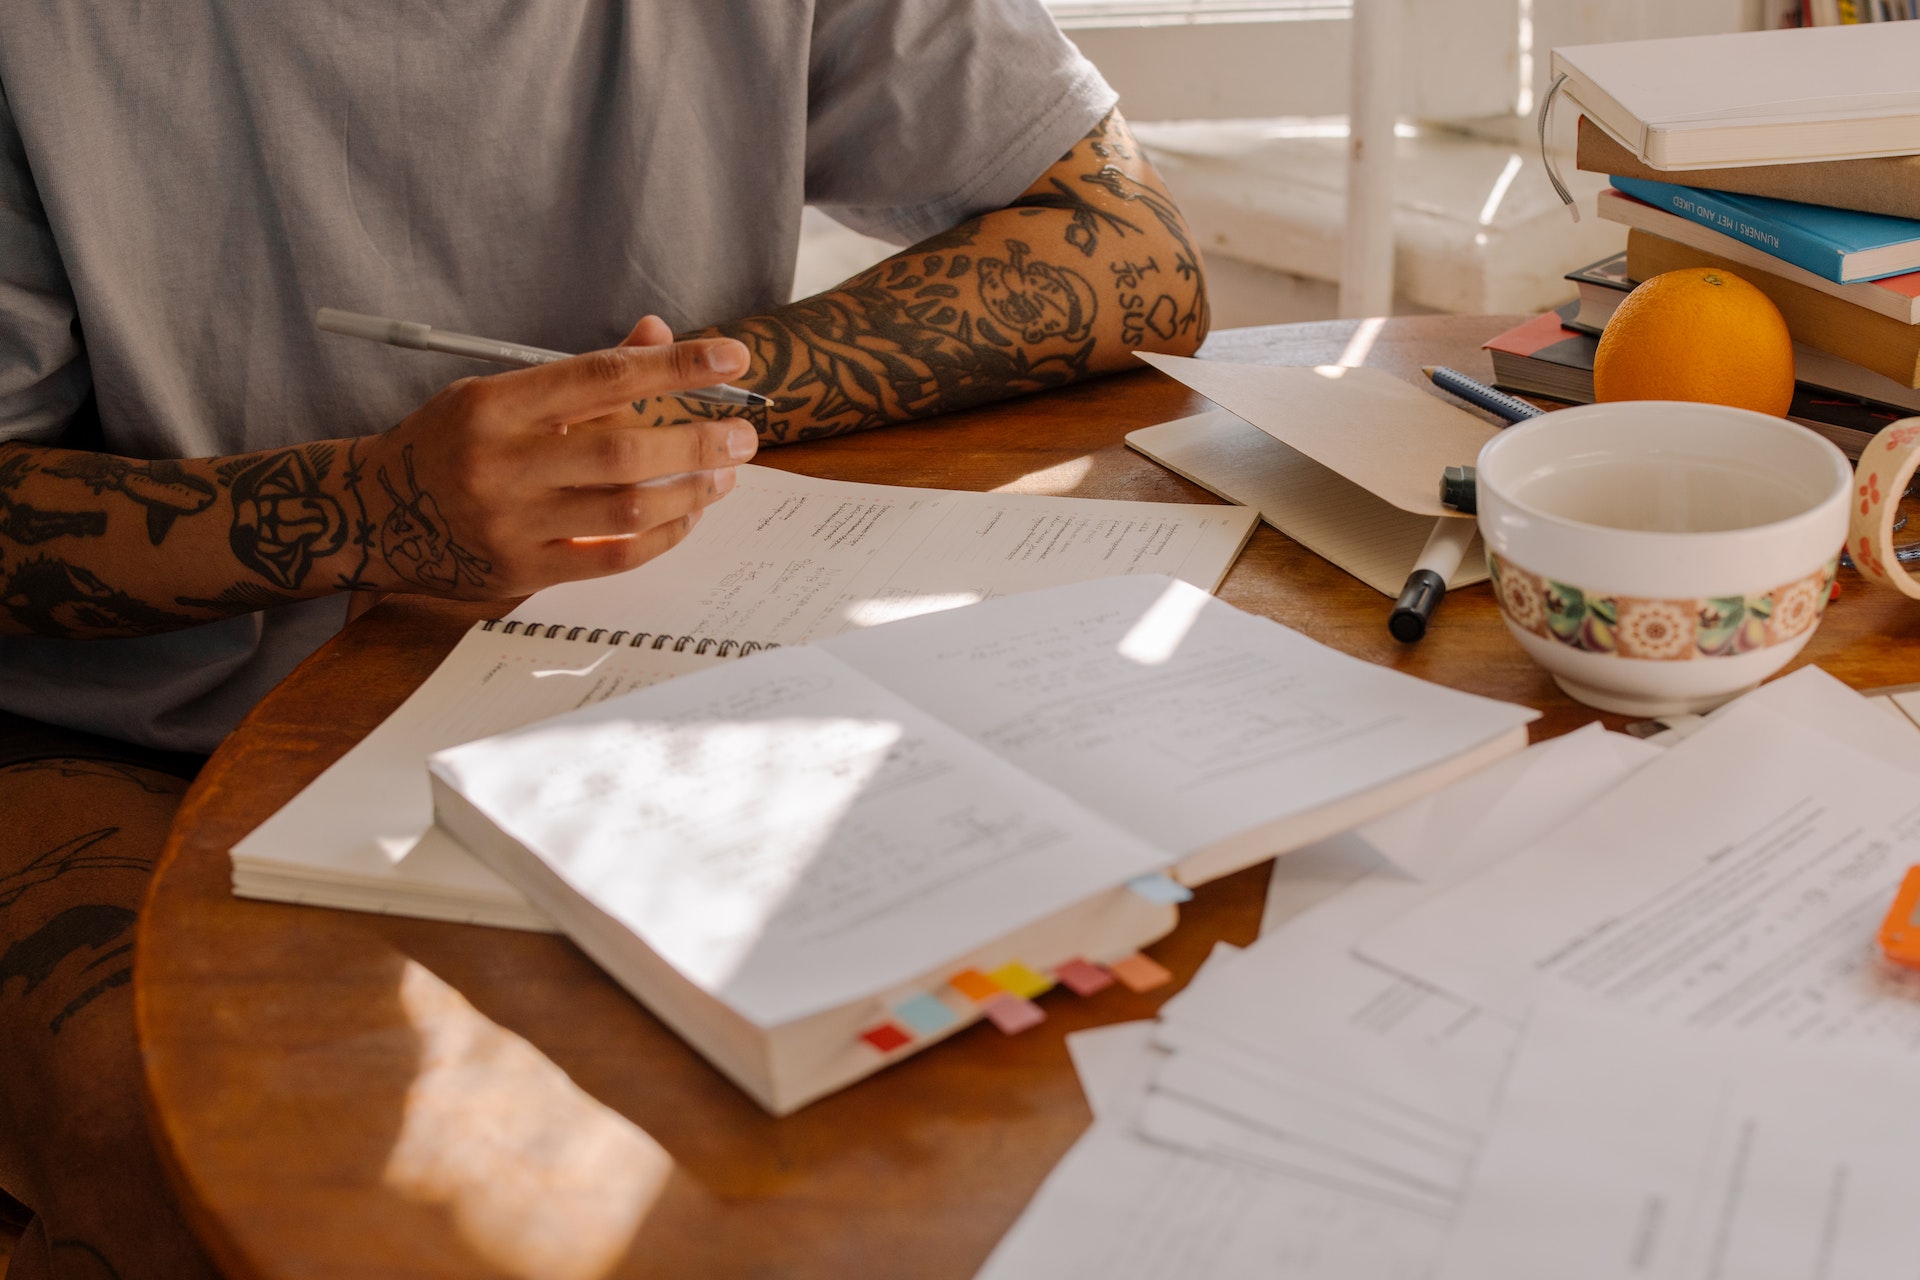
[541, 1180]
[1062, 477]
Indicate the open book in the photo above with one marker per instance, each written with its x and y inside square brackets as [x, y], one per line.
[778, 854]
[783, 560]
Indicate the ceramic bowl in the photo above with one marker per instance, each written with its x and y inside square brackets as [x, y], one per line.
[1657, 556]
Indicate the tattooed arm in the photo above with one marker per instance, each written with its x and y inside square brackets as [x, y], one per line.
[496, 487]
[1090, 264]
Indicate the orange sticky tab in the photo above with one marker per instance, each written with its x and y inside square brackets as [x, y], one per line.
[1020, 980]
[975, 985]
[1139, 973]
[1900, 932]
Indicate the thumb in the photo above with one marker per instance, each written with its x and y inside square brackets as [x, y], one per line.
[652, 331]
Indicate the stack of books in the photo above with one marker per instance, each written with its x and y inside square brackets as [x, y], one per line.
[1788, 158]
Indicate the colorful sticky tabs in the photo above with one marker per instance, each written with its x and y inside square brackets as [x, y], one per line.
[1012, 1014]
[926, 1014]
[886, 1037]
[1083, 978]
[1138, 973]
[1161, 888]
[975, 985]
[1021, 980]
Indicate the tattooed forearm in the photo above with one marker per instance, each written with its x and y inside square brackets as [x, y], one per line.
[28, 525]
[81, 536]
[284, 520]
[1092, 262]
[49, 596]
[163, 487]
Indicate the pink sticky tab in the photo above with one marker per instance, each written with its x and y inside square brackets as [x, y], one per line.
[1012, 1014]
[1139, 973]
[1082, 977]
[886, 1037]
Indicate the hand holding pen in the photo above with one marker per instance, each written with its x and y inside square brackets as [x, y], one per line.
[1441, 557]
[499, 486]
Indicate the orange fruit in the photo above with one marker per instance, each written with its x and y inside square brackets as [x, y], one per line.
[1699, 333]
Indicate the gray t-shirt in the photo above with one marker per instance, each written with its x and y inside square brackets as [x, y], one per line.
[183, 185]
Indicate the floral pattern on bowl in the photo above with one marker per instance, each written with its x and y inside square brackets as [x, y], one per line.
[1659, 630]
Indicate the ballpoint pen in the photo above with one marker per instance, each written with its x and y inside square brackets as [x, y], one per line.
[406, 333]
[1427, 584]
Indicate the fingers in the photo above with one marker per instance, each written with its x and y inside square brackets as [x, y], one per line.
[595, 557]
[625, 455]
[589, 386]
[627, 510]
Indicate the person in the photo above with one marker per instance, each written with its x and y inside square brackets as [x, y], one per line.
[193, 482]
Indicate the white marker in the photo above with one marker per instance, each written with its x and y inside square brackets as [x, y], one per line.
[405, 333]
[1427, 584]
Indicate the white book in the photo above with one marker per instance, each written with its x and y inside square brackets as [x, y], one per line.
[783, 560]
[773, 854]
[1753, 97]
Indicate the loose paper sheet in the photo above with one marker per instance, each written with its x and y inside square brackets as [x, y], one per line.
[1739, 880]
[1120, 1207]
[1625, 1146]
[1301, 1010]
[1381, 432]
[1317, 507]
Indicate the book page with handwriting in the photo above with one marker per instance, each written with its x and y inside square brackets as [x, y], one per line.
[785, 559]
[361, 833]
[787, 834]
[1175, 715]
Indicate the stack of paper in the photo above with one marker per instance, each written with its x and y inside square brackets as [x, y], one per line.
[1649, 927]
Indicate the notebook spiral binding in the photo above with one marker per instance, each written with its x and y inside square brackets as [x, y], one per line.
[638, 640]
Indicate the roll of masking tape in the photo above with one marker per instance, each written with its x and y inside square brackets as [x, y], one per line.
[1885, 468]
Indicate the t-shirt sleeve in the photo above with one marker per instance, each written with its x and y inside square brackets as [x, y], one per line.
[925, 113]
[43, 367]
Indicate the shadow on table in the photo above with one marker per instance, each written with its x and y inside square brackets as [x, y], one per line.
[546, 1095]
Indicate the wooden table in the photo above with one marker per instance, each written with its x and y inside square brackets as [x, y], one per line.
[342, 1094]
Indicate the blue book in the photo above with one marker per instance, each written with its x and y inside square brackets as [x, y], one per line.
[1841, 245]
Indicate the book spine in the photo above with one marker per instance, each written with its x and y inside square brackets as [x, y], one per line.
[630, 639]
[1816, 318]
[1710, 209]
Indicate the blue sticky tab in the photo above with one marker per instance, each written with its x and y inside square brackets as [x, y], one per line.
[1160, 887]
[925, 1014]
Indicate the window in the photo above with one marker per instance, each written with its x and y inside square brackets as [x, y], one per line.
[1464, 59]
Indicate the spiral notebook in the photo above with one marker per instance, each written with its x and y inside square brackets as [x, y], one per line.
[785, 559]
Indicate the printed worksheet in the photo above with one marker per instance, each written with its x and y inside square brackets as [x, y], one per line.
[784, 559]
[1119, 1206]
[1738, 881]
[1625, 1146]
